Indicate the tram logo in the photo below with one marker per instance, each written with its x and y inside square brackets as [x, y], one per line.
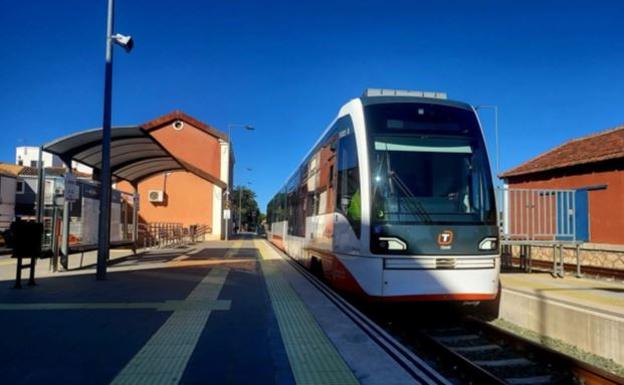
[445, 238]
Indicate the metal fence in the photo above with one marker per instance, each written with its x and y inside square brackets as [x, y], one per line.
[539, 215]
[163, 234]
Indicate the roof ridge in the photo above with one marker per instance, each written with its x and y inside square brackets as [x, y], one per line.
[595, 134]
[181, 115]
[513, 170]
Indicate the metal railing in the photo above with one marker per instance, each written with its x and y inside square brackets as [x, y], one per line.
[163, 234]
[538, 215]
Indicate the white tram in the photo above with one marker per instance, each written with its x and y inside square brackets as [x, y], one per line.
[395, 202]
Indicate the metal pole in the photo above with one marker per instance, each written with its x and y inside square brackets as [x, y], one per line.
[495, 108]
[497, 144]
[65, 236]
[240, 218]
[227, 207]
[40, 187]
[135, 216]
[227, 194]
[105, 172]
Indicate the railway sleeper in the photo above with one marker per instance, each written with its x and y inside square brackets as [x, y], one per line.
[504, 362]
[477, 348]
[536, 380]
[456, 338]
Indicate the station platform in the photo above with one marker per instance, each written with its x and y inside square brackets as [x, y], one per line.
[586, 313]
[218, 312]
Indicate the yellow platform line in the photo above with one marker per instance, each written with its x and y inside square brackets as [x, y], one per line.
[313, 359]
[159, 306]
[163, 359]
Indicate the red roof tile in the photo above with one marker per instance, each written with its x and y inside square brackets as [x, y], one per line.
[179, 115]
[593, 148]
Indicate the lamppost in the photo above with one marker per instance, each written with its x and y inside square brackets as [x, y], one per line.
[247, 127]
[126, 43]
[495, 108]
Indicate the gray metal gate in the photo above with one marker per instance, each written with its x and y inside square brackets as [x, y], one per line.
[538, 217]
[537, 214]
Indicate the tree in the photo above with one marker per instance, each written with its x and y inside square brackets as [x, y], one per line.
[249, 212]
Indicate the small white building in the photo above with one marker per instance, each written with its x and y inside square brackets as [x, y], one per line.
[29, 156]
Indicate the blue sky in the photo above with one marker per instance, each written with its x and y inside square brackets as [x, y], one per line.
[555, 69]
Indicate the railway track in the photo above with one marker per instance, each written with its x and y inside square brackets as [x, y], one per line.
[469, 351]
[481, 353]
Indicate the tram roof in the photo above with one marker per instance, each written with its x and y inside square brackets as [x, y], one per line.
[386, 96]
[134, 154]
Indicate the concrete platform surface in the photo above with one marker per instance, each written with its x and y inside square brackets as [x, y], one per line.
[586, 313]
[217, 312]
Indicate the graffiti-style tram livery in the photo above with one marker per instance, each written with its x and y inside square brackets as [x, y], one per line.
[395, 202]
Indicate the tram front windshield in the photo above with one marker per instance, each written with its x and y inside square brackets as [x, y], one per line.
[428, 164]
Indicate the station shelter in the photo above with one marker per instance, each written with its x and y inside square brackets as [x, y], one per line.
[169, 174]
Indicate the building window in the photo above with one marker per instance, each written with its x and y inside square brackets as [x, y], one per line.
[33, 163]
[19, 188]
[20, 162]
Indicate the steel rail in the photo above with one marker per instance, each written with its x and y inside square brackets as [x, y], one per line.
[589, 374]
[408, 360]
[471, 371]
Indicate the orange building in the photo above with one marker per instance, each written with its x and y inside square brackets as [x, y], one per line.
[594, 163]
[193, 197]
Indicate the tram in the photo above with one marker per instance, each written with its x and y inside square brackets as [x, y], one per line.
[395, 202]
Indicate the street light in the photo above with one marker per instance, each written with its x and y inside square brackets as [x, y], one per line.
[247, 127]
[495, 108]
[127, 44]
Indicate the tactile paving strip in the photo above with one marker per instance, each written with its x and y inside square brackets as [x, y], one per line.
[164, 357]
[313, 358]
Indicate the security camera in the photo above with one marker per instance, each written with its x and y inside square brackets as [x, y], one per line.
[125, 42]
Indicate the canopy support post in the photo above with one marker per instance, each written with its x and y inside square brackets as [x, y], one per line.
[65, 228]
[135, 216]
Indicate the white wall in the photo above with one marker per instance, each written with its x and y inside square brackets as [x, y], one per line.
[29, 154]
[81, 168]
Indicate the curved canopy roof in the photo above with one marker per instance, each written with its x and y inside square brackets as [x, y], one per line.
[135, 154]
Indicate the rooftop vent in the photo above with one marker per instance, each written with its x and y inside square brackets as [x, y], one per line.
[371, 92]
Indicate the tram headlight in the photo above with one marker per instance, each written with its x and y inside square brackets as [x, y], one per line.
[488, 243]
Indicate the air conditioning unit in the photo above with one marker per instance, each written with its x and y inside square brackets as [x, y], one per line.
[156, 195]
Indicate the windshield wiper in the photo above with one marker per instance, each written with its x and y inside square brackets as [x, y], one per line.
[415, 205]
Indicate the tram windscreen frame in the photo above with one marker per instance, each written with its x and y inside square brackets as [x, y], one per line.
[428, 165]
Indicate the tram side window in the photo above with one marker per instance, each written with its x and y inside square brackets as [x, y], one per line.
[348, 197]
[296, 201]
